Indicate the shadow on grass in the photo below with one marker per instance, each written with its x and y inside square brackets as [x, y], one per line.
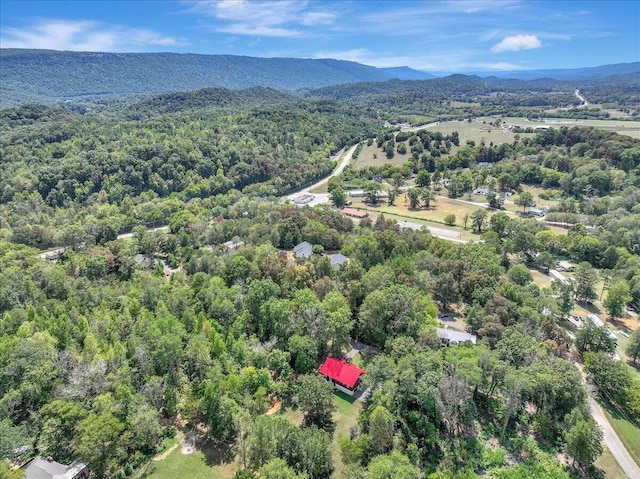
[146, 471]
[347, 398]
[620, 325]
[216, 453]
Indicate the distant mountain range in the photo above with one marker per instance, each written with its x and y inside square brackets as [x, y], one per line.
[48, 76]
[568, 74]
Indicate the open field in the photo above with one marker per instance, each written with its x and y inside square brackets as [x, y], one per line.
[204, 463]
[366, 157]
[440, 208]
[630, 128]
[541, 279]
[479, 131]
[463, 235]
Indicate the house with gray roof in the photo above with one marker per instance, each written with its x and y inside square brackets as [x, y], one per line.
[47, 468]
[338, 260]
[303, 250]
[450, 337]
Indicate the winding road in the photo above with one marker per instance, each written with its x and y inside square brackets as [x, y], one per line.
[319, 198]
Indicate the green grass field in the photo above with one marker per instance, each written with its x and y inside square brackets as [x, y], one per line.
[628, 433]
[346, 417]
[367, 154]
[624, 127]
[439, 208]
[541, 279]
[478, 131]
[609, 466]
[201, 464]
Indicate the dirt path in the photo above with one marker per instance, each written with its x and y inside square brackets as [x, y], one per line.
[273, 409]
[165, 454]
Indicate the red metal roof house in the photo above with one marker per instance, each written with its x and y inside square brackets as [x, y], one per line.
[343, 375]
[355, 213]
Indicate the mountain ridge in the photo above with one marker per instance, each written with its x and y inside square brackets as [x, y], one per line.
[50, 76]
[582, 73]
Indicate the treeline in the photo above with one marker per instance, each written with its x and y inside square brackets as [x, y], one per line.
[463, 97]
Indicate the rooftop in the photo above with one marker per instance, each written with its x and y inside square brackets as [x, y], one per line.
[303, 250]
[341, 371]
[451, 335]
[338, 259]
[355, 213]
[41, 468]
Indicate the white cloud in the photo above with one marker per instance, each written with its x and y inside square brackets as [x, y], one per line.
[259, 30]
[505, 66]
[368, 57]
[516, 43]
[83, 35]
[284, 18]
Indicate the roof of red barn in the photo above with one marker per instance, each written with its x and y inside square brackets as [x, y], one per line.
[354, 212]
[341, 371]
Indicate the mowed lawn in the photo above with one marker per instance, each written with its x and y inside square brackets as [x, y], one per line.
[478, 131]
[608, 464]
[182, 466]
[628, 433]
[345, 417]
[540, 278]
[441, 207]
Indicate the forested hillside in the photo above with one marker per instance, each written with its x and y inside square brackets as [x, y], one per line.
[212, 330]
[47, 76]
[74, 165]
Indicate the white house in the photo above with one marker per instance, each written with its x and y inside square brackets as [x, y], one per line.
[555, 275]
[449, 337]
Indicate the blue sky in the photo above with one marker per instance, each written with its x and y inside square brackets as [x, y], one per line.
[455, 35]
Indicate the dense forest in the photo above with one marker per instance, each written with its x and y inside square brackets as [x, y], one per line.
[118, 344]
[75, 167]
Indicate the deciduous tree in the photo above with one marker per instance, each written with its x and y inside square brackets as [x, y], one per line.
[315, 398]
[617, 298]
[583, 442]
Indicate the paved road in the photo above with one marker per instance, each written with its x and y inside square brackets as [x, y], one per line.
[319, 198]
[610, 438]
[581, 98]
[419, 127]
[613, 442]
